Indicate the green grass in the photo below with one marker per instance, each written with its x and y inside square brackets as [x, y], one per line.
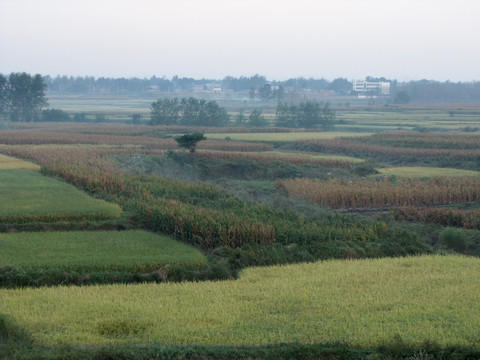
[28, 196]
[282, 137]
[421, 172]
[8, 162]
[82, 251]
[363, 303]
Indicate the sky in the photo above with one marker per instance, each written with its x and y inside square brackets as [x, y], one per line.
[396, 39]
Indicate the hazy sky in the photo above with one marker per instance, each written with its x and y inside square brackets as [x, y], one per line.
[402, 39]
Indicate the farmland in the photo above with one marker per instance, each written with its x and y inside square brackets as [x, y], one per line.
[267, 242]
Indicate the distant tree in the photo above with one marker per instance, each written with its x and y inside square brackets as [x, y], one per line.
[136, 118]
[54, 115]
[256, 119]
[401, 98]
[4, 94]
[189, 141]
[252, 93]
[80, 117]
[341, 86]
[240, 119]
[100, 118]
[265, 92]
[308, 114]
[214, 115]
[165, 112]
[286, 115]
[26, 96]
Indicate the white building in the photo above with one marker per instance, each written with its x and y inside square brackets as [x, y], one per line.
[376, 88]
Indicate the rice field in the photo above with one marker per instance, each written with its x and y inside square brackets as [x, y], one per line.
[354, 302]
[423, 172]
[83, 251]
[28, 196]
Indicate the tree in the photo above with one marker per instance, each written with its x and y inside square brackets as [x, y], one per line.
[265, 92]
[256, 119]
[4, 97]
[308, 114]
[54, 115]
[165, 112]
[401, 98]
[286, 115]
[26, 96]
[240, 119]
[189, 141]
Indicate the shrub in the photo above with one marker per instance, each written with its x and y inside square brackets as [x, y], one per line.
[454, 239]
[55, 115]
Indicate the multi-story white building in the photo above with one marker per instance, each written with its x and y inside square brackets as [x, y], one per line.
[377, 88]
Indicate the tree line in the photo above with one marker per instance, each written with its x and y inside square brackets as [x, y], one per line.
[22, 96]
[194, 112]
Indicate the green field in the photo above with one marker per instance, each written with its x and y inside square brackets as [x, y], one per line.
[8, 162]
[282, 137]
[28, 196]
[83, 251]
[354, 302]
[420, 172]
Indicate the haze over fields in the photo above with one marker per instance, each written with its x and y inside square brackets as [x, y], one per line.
[406, 40]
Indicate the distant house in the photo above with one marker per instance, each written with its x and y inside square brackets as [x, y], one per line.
[372, 87]
[215, 88]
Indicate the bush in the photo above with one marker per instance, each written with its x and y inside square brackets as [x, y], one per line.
[454, 239]
[54, 115]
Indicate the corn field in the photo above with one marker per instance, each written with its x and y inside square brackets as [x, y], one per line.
[382, 193]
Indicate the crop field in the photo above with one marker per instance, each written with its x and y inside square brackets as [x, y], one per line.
[423, 171]
[262, 243]
[372, 193]
[83, 251]
[27, 196]
[355, 302]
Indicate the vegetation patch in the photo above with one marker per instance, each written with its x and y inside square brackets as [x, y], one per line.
[27, 196]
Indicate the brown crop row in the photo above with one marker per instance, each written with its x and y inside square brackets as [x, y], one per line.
[469, 219]
[353, 147]
[40, 137]
[382, 193]
[435, 140]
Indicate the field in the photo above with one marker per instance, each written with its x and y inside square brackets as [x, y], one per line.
[27, 196]
[275, 243]
[362, 303]
[87, 251]
[281, 137]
